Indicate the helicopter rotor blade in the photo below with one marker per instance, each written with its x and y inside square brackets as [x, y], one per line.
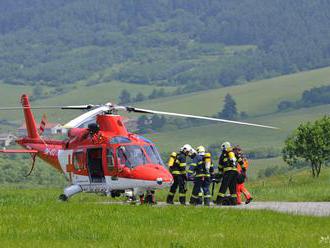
[40, 107]
[75, 107]
[80, 107]
[76, 122]
[148, 111]
[97, 109]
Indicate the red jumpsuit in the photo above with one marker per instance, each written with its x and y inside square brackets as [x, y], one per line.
[240, 188]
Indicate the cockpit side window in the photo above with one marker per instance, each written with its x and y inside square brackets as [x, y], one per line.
[131, 156]
[153, 154]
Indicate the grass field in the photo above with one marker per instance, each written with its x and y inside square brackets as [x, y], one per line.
[292, 186]
[257, 165]
[34, 218]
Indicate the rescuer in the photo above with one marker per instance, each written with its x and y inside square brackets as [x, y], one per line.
[177, 167]
[202, 169]
[241, 168]
[228, 167]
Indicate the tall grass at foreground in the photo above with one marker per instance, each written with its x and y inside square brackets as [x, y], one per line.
[293, 186]
[32, 217]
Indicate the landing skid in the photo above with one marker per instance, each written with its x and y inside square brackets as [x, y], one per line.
[63, 197]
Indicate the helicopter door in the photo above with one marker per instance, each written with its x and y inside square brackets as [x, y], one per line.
[94, 164]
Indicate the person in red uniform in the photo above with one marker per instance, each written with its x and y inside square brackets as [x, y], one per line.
[241, 168]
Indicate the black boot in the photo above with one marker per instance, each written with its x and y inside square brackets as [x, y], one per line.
[182, 200]
[200, 200]
[248, 200]
[148, 199]
[192, 201]
[233, 201]
[219, 200]
[153, 198]
[206, 201]
[169, 199]
[142, 199]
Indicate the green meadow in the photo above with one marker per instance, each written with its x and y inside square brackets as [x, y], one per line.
[255, 98]
[79, 93]
[248, 137]
[34, 218]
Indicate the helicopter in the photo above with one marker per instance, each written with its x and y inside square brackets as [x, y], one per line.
[103, 157]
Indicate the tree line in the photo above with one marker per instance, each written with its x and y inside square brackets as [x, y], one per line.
[309, 98]
[192, 44]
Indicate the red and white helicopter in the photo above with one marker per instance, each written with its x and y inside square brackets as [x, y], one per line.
[104, 157]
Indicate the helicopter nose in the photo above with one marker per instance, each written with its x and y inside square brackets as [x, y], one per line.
[152, 173]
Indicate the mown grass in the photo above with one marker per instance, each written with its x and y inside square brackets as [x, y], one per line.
[33, 218]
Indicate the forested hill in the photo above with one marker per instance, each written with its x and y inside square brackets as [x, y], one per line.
[194, 43]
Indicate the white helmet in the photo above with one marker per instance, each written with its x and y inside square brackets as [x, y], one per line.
[192, 152]
[200, 150]
[225, 146]
[186, 148]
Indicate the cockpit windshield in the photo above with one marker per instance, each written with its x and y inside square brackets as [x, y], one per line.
[131, 156]
[153, 154]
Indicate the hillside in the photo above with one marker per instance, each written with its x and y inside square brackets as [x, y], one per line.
[80, 93]
[192, 44]
[248, 137]
[256, 98]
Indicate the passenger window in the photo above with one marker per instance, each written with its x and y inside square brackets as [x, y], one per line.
[110, 160]
[78, 160]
